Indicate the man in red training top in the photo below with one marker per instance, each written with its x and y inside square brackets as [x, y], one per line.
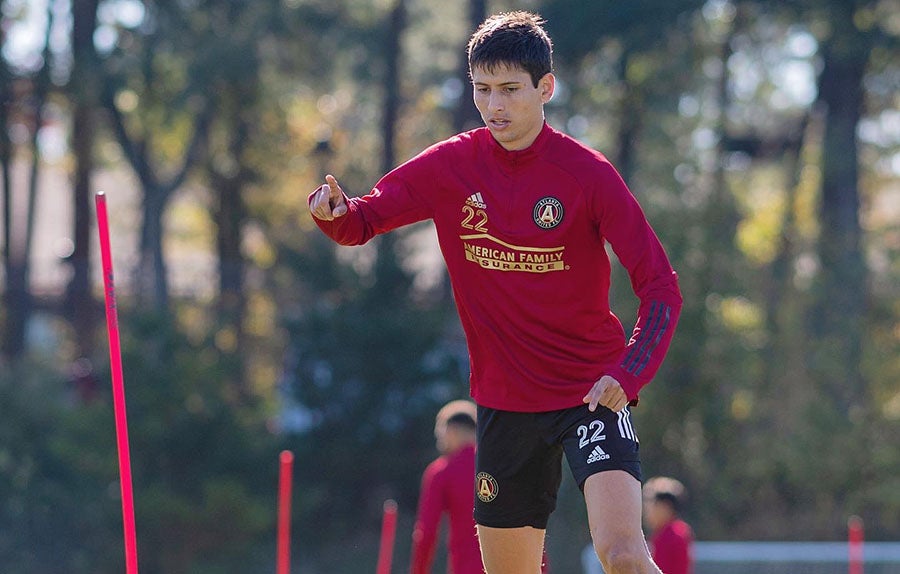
[523, 214]
[447, 489]
[672, 539]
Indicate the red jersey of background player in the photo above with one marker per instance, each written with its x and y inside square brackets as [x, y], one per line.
[670, 547]
[447, 489]
[523, 234]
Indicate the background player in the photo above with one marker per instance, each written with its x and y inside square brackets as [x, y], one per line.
[447, 490]
[672, 540]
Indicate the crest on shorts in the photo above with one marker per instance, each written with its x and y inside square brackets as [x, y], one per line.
[548, 212]
[486, 487]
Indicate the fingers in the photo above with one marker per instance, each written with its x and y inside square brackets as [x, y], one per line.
[320, 204]
[328, 202]
[606, 392]
[618, 403]
[335, 196]
[334, 185]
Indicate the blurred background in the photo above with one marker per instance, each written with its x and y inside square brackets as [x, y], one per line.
[761, 137]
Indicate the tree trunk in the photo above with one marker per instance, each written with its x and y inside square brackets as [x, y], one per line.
[465, 115]
[783, 384]
[229, 215]
[152, 288]
[151, 284]
[80, 304]
[10, 344]
[18, 290]
[631, 113]
[386, 266]
[839, 312]
[392, 81]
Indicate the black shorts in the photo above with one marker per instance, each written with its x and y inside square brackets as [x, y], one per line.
[518, 463]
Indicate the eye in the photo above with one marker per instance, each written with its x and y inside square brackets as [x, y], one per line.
[510, 89]
[482, 90]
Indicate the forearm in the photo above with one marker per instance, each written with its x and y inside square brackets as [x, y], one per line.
[658, 315]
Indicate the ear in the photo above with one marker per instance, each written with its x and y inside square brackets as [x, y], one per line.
[547, 85]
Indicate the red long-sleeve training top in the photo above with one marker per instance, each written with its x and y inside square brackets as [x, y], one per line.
[671, 549]
[523, 234]
[447, 488]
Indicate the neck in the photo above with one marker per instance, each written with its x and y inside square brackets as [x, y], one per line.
[525, 144]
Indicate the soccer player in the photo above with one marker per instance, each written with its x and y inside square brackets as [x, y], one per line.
[523, 214]
[672, 539]
[447, 489]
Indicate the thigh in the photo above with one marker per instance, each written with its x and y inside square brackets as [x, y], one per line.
[517, 472]
[599, 441]
[613, 501]
[511, 550]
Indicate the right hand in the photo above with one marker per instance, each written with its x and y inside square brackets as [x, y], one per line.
[328, 203]
[607, 392]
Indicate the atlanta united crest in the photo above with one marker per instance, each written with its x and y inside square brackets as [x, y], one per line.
[548, 212]
[486, 487]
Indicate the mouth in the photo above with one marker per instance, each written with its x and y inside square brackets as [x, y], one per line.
[498, 123]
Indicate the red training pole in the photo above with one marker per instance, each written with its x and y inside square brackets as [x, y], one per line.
[284, 511]
[855, 544]
[388, 530]
[115, 360]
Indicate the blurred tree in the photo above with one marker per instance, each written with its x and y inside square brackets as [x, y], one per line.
[392, 84]
[57, 469]
[204, 471]
[19, 271]
[83, 88]
[204, 466]
[237, 30]
[838, 317]
[839, 314]
[18, 108]
[154, 90]
[389, 278]
[634, 33]
[369, 364]
[255, 56]
[465, 114]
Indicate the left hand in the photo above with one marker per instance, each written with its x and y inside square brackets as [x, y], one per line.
[328, 202]
[606, 392]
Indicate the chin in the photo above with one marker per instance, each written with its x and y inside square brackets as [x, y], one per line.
[504, 137]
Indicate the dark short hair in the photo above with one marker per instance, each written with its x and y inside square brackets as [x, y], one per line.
[515, 39]
[670, 499]
[666, 490]
[463, 420]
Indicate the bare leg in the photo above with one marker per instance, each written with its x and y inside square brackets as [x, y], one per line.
[613, 500]
[511, 550]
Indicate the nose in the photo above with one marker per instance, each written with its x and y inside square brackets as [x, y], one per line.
[495, 102]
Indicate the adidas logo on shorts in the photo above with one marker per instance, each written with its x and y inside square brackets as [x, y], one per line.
[596, 455]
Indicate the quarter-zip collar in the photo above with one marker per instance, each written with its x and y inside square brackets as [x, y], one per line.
[519, 157]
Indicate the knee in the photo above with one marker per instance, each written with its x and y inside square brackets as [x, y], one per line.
[620, 558]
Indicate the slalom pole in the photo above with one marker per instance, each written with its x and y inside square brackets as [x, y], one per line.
[285, 473]
[388, 530]
[855, 544]
[118, 384]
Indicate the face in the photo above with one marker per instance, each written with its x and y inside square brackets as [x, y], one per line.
[510, 105]
[440, 438]
[656, 514]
